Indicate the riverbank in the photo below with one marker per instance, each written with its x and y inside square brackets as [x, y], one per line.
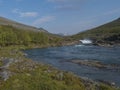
[19, 72]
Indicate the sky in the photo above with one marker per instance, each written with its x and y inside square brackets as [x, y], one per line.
[61, 16]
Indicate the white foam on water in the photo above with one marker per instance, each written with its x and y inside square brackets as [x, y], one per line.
[86, 41]
[80, 45]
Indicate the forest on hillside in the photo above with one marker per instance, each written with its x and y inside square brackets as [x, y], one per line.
[13, 36]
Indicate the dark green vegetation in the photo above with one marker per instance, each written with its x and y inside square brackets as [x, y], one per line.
[14, 33]
[20, 73]
[10, 35]
[107, 33]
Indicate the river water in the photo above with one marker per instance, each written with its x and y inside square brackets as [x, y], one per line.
[60, 56]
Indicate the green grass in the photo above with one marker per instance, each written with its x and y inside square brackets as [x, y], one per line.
[1, 63]
[106, 87]
[109, 32]
[40, 80]
[30, 75]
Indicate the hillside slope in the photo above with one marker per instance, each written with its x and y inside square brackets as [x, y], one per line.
[107, 33]
[10, 35]
[5, 21]
[14, 33]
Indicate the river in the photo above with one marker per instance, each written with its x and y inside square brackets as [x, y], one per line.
[60, 56]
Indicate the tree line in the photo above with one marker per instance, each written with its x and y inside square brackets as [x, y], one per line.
[10, 35]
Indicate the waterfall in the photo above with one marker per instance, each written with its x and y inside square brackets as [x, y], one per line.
[86, 41]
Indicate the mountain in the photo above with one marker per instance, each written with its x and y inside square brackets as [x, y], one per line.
[14, 33]
[5, 21]
[107, 33]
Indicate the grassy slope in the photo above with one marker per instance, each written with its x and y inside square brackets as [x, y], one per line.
[109, 32]
[5, 21]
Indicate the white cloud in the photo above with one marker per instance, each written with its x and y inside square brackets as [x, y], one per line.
[28, 14]
[64, 5]
[43, 20]
[25, 14]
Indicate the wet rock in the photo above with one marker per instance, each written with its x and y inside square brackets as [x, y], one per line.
[4, 69]
[5, 75]
[89, 83]
[107, 82]
[97, 64]
[59, 76]
[25, 54]
[68, 43]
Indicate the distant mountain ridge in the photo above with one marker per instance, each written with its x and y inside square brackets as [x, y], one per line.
[107, 33]
[5, 21]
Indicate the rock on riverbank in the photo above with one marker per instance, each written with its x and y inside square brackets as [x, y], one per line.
[97, 64]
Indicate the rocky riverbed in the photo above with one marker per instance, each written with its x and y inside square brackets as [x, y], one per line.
[4, 69]
[97, 64]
